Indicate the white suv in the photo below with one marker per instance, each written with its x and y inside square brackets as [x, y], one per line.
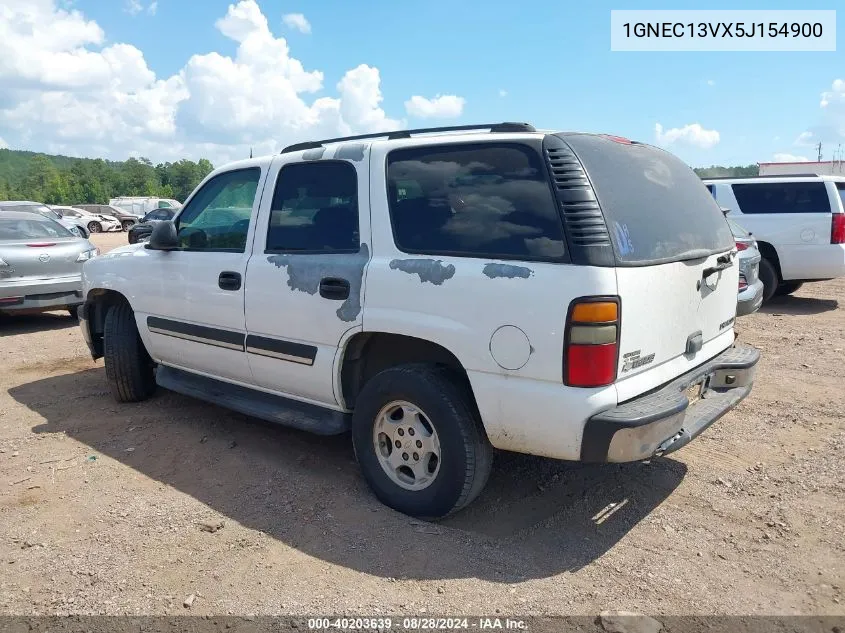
[439, 292]
[798, 222]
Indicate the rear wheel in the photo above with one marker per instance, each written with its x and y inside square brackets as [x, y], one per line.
[419, 442]
[129, 369]
[95, 227]
[788, 287]
[769, 277]
[127, 224]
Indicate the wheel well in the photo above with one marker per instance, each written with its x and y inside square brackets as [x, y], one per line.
[98, 303]
[369, 353]
[768, 252]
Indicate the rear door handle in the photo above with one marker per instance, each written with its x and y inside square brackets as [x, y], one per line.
[334, 288]
[229, 280]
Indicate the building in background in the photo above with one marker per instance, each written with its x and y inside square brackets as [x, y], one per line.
[823, 168]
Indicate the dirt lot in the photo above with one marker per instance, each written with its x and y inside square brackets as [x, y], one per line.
[108, 508]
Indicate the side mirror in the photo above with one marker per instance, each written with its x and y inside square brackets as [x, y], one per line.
[163, 237]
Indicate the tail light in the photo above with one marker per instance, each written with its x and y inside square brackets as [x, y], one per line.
[741, 246]
[837, 229]
[591, 342]
[743, 284]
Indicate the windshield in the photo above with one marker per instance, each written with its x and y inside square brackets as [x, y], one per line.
[30, 227]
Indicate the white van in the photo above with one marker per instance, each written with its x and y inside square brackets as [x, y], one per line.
[798, 223]
[142, 205]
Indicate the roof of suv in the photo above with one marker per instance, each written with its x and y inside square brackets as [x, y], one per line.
[774, 178]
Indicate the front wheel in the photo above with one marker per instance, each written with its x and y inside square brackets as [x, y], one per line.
[788, 287]
[419, 442]
[127, 224]
[129, 369]
[95, 227]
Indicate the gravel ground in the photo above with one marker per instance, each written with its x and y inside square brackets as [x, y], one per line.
[130, 509]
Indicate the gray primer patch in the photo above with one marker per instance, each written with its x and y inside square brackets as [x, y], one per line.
[305, 272]
[507, 270]
[313, 154]
[431, 270]
[351, 151]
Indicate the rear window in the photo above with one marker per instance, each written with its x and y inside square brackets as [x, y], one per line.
[840, 187]
[28, 228]
[656, 207]
[782, 197]
[488, 200]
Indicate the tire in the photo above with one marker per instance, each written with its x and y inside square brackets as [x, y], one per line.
[769, 277]
[73, 312]
[95, 227]
[129, 369]
[788, 287]
[127, 224]
[131, 238]
[465, 454]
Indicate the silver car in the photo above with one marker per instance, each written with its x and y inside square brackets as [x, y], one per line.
[75, 226]
[40, 264]
[750, 296]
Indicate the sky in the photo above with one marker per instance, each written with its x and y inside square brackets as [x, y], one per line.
[170, 79]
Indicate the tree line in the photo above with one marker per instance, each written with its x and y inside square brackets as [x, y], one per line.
[66, 180]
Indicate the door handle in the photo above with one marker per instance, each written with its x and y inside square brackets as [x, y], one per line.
[334, 288]
[229, 280]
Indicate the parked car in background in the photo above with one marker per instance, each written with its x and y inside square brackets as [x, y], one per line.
[40, 263]
[798, 222]
[75, 226]
[126, 218]
[141, 205]
[750, 296]
[144, 228]
[94, 222]
[383, 291]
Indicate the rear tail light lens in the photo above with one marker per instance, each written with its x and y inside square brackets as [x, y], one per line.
[837, 229]
[743, 284]
[741, 246]
[591, 342]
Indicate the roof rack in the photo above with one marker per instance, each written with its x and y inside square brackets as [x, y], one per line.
[763, 176]
[493, 127]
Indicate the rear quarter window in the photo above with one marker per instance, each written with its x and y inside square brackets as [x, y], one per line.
[656, 208]
[782, 197]
[490, 200]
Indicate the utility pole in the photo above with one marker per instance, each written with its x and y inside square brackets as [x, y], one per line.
[820, 151]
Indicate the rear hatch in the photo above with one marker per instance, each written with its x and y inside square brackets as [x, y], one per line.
[675, 257]
[33, 247]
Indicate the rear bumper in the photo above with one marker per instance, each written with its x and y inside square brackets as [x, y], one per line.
[663, 421]
[41, 294]
[749, 300]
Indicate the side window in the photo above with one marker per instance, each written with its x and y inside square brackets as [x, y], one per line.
[712, 190]
[489, 200]
[315, 209]
[782, 197]
[162, 204]
[217, 218]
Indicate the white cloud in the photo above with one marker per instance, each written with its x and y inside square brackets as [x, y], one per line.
[503, 92]
[805, 138]
[711, 82]
[297, 21]
[134, 7]
[66, 91]
[3, 144]
[789, 158]
[440, 107]
[835, 95]
[153, 8]
[693, 134]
